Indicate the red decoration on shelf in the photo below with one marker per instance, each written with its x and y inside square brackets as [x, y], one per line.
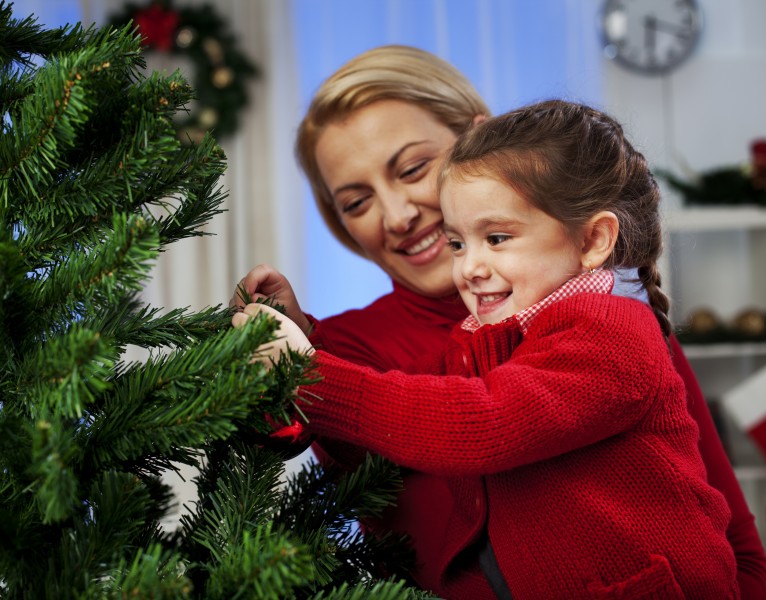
[157, 26]
[758, 155]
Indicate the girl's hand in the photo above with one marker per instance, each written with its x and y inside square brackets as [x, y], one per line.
[289, 333]
[289, 440]
[264, 281]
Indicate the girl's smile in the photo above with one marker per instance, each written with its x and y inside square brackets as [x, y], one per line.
[507, 254]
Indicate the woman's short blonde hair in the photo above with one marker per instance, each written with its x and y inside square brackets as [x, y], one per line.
[391, 72]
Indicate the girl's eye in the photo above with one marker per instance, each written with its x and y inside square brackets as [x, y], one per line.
[497, 238]
[455, 245]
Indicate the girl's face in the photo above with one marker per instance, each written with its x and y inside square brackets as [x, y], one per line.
[507, 254]
[380, 165]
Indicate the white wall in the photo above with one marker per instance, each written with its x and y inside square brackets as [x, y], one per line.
[702, 116]
[708, 110]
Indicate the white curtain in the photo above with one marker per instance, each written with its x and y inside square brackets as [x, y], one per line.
[265, 191]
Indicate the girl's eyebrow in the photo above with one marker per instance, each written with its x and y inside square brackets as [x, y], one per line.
[492, 222]
[447, 228]
[485, 223]
[495, 221]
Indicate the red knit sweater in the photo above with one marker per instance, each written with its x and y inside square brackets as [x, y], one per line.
[366, 336]
[578, 453]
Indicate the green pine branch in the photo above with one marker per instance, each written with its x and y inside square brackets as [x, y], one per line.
[94, 185]
[22, 38]
[45, 124]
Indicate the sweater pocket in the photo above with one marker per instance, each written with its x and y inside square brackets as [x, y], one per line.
[656, 582]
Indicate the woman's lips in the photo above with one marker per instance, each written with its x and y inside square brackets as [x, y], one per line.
[426, 249]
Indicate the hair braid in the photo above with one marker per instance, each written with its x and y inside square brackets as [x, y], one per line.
[650, 278]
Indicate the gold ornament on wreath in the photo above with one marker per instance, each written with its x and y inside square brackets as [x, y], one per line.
[221, 71]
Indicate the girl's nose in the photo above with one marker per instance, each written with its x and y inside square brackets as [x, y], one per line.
[473, 266]
[399, 212]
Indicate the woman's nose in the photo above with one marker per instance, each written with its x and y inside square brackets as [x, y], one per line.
[399, 212]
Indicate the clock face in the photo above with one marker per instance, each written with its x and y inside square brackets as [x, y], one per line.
[650, 36]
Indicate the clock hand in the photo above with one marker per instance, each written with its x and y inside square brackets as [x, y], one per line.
[679, 30]
[650, 36]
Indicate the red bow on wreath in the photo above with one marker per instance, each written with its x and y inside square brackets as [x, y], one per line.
[157, 26]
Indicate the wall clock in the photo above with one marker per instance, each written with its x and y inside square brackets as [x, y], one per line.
[652, 37]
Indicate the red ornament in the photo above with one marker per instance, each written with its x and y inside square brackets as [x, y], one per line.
[758, 157]
[290, 433]
[157, 26]
[288, 440]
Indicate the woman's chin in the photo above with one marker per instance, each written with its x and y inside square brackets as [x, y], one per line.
[429, 285]
[432, 279]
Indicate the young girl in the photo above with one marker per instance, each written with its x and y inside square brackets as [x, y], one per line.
[555, 412]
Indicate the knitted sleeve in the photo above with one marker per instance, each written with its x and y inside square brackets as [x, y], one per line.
[585, 371]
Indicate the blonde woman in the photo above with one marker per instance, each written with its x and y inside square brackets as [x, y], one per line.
[370, 145]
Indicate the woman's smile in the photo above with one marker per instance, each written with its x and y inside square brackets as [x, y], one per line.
[381, 163]
[424, 247]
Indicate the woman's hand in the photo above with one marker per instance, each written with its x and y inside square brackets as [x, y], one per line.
[289, 333]
[264, 281]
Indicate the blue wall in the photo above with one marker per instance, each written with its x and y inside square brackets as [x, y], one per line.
[514, 51]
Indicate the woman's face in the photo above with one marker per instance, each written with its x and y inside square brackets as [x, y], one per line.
[380, 164]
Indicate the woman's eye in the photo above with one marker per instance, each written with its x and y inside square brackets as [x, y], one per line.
[413, 171]
[353, 205]
[497, 238]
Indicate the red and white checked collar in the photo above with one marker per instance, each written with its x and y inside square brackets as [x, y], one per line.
[600, 281]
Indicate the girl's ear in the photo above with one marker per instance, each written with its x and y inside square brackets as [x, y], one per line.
[599, 238]
[478, 119]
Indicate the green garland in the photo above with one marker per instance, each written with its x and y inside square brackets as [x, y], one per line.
[221, 69]
[743, 184]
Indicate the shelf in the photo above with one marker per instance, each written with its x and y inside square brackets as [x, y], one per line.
[716, 218]
[750, 473]
[715, 351]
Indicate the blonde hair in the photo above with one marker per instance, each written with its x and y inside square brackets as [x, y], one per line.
[385, 73]
[572, 161]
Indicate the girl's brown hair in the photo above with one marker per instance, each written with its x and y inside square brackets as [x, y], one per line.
[385, 73]
[572, 161]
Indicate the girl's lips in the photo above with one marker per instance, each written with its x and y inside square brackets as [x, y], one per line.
[488, 303]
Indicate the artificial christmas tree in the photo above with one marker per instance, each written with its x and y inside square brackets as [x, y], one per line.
[93, 185]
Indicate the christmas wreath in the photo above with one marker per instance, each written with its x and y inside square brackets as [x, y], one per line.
[221, 69]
